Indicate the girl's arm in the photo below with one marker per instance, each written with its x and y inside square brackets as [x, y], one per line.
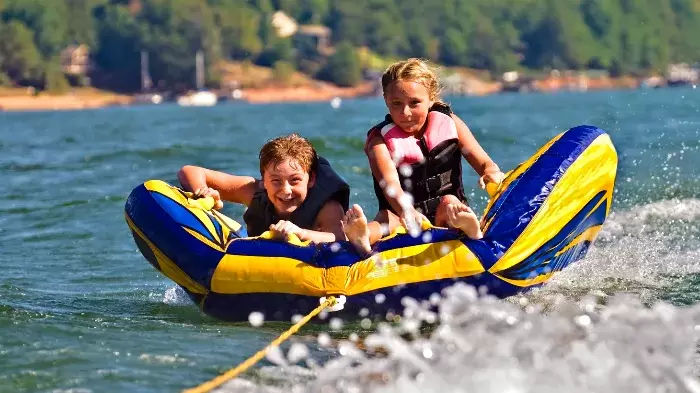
[219, 185]
[472, 151]
[384, 170]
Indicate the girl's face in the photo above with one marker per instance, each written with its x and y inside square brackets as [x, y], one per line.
[286, 184]
[408, 103]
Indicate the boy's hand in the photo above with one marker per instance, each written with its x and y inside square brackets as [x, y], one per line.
[285, 228]
[204, 192]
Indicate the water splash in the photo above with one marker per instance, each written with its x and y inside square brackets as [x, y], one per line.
[176, 296]
[487, 345]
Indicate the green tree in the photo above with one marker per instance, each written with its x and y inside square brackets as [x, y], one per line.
[560, 39]
[54, 79]
[81, 29]
[239, 24]
[173, 32]
[343, 67]
[684, 43]
[119, 44]
[47, 20]
[20, 60]
[278, 49]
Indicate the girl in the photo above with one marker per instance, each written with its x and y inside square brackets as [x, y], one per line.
[298, 191]
[415, 157]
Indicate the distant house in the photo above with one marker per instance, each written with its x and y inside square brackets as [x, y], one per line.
[285, 26]
[317, 37]
[682, 74]
[75, 59]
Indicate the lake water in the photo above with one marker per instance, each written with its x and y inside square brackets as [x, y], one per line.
[82, 311]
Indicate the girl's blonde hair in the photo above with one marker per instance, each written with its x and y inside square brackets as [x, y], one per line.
[413, 70]
[292, 146]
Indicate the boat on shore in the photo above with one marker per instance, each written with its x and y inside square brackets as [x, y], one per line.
[200, 97]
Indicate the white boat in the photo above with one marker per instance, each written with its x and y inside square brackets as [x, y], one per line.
[147, 95]
[201, 97]
[197, 98]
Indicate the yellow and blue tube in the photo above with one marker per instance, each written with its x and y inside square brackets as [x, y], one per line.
[543, 217]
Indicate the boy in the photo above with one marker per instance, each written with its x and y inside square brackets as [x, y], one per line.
[298, 193]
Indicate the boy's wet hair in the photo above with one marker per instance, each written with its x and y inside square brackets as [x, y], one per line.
[413, 70]
[292, 146]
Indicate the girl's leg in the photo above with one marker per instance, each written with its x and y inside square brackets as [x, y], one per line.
[453, 213]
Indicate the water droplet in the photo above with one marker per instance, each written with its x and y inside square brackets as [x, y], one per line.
[256, 318]
[405, 170]
[336, 323]
[379, 298]
[297, 352]
[583, 320]
[275, 356]
[324, 339]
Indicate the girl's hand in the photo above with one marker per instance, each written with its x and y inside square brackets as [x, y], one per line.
[285, 228]
[412, 220]
[493, 176]
[209, 192]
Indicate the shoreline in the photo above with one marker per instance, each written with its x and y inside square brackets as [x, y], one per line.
[23, 99]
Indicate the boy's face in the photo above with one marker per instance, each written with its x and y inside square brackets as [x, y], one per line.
[409, 104]
[287, 184]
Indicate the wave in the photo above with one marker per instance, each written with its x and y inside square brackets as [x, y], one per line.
[486, 345]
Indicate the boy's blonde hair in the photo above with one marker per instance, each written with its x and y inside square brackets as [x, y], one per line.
[413, 70]
[292, 146]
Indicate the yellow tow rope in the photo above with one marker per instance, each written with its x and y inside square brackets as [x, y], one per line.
[233, 373]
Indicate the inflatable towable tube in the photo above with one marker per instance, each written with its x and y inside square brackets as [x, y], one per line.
[543, 217]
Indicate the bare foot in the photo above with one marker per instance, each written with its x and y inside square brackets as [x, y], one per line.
[464, 219]
[355, 227]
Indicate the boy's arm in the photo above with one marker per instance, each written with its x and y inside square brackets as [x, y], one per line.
[327, 227]
[476, 156]
[239, 189]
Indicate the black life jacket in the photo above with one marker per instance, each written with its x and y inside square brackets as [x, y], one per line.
[438, 173]
[328, 186]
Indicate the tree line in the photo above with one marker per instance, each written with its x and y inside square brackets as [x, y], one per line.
[620, 36]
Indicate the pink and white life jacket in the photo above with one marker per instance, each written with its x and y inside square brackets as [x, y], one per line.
[406, 148]
[434, 159]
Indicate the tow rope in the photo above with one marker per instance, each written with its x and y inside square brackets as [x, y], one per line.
[234, 372]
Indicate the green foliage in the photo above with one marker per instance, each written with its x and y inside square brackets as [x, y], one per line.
[621, 36]
[174, 30]
[48, 20]
[54, 80]
[279, 49]
[4, 79]
[343, 67]
[239, 24]
[283, 71]
[118, 55]
[81, 29]
[19, 58]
